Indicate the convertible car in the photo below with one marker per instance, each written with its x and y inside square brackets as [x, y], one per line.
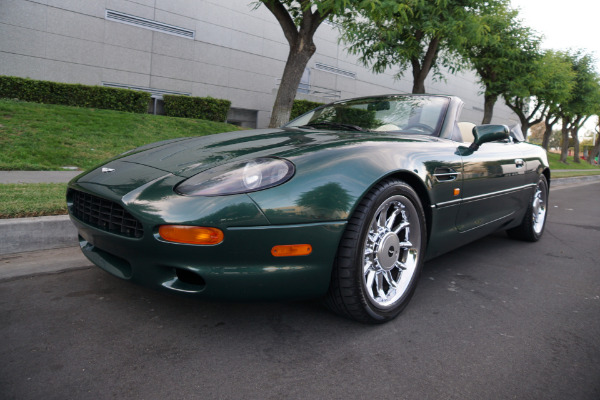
[344, 203]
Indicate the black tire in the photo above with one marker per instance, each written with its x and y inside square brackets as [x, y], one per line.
[378, 264]
[534, 221]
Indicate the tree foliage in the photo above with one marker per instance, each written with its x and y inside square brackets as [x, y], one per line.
[502, 58]
[584, 102]
[546, 81]
[422, 35]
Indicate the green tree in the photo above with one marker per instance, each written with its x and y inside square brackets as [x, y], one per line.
[502, 57]
[299, 20]
[584, 102]
[423, 36]
[545, 81]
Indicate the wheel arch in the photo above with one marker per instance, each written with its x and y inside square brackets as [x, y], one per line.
[546, 173]
[417, 184]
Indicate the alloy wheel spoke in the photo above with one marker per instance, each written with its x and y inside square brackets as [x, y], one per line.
[392, 218]
[390, 279]
[379, 282]
[403, 225]
[400, 265]
[381, 218]
[370, 279]
[368, 266]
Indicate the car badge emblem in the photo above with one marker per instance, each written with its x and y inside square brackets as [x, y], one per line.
[107, 170]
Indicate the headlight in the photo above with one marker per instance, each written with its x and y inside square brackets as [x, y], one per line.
[243, 177]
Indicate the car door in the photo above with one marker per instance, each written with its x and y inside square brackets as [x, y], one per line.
[493, 186]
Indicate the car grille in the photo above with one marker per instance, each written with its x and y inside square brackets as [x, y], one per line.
[104, 214]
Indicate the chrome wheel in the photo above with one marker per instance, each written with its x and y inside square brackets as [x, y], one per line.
[534, 220]
[380, 255]
[540, 199]
[391, 251]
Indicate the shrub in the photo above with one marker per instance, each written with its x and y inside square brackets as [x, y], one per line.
[69, 94]
[196, 107]
[303, 106]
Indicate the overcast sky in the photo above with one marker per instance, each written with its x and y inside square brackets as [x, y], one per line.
[564, 24]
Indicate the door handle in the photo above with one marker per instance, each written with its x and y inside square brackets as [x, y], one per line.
[519, 163]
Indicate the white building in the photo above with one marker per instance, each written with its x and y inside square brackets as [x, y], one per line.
[219, 48]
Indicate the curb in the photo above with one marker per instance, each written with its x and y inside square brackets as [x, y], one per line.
[38, 233]
[575, 179]
[44, 233]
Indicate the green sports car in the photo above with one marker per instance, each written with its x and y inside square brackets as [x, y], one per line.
[344, 203]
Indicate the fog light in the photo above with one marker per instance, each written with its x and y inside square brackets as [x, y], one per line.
[291, 250]
[191, 234]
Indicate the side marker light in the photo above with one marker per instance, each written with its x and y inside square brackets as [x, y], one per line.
[291, 250]
[456, 192]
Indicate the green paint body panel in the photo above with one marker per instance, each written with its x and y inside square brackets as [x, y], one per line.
[334, 171]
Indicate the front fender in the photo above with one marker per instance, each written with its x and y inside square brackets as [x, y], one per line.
[330, 183]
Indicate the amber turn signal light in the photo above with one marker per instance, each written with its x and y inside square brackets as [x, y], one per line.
[291, 250]
[191, 234]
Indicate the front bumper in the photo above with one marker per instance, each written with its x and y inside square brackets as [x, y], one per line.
[241, 267]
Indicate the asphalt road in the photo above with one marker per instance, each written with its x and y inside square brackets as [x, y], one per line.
[497, 319]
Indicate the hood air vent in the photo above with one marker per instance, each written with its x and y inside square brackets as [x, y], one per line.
[117, 16]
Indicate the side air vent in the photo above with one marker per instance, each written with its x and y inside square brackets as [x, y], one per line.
[117, 16]
[445, 174]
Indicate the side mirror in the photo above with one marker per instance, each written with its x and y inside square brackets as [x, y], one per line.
[488, 133]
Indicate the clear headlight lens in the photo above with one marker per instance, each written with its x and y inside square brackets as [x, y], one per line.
[243, 177]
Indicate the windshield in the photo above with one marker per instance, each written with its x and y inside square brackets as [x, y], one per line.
[406, 114]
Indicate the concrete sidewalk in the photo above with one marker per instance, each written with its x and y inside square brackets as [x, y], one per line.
[37, 176]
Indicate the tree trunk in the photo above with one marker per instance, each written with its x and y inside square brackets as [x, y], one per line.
[488, 112]
[419, 76]
[574, 131]
[593, 153]
[516, 104]
[418, 86]
[292, 74]
[548, 132]
[564, 147]
[524, 125]
[302, 48]
[422, 69]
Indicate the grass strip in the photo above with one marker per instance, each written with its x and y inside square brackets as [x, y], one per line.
[555, 164]
[570, 174]
[19, 200]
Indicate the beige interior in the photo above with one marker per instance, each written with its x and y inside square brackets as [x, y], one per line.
[466, 131]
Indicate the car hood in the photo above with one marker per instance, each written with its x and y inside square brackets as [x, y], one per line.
[188, 157]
